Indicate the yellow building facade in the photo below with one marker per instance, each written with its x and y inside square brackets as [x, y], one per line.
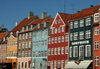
[12, 51]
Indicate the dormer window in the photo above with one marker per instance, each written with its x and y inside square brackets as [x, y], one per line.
[17, 33]
[23, 29]
[96, 17]
[31, 26]
[38, 25]
[26, 27]
[11, 33]
[45, 24]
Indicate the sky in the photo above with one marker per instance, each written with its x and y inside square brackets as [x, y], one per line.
[16, 10]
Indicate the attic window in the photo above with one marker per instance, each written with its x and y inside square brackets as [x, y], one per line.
[44, 24]
[56, 22]
[31, 26]
[96, 17]
[23, 29]
[38, 25]
[26, 27]
[59, 21]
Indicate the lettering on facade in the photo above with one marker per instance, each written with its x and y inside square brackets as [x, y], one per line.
[80, 42]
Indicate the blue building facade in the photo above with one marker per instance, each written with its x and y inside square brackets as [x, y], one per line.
[39, 46]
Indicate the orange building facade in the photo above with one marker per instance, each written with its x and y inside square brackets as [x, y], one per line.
[12, 51]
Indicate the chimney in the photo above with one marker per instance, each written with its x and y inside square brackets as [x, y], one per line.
[43, 15]
[30, 14]
[0, 28]
[77, 11]
[91, 5]
[16, 23]
[99, 3]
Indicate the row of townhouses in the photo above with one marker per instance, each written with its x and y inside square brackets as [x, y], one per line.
[68, 41]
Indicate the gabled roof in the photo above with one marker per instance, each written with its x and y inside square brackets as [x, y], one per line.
[23, 23]
[50, 20]
[85, 12]
[2, 35]
[65, 17]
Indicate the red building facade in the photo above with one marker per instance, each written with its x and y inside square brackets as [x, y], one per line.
[58, 42]
[96, 40]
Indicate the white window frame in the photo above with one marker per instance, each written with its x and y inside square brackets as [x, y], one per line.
[62, 38]
[81, 52]
[63, 28]
[58, 50]
[75, 35]
[75, 24]
[96, 60]
[55, 30]
[96, 17]
[82, 23]
[55, 51]
[96, 44]
[55, 39]
[97, 31]
[62, 50]
[88, 34]
[88, 51]
[75, 51]
[70, 52]
[71, 25]
[81, 35]
[88, 21]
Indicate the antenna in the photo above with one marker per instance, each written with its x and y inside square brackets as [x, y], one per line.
[72, 8]
[64, 6]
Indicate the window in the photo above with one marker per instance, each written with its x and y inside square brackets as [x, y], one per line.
[96, 31]
[59, 50]
[20, 37]
[96, 17]
[28, 65]
[51, 64]
[62, 38]
[26, 45]
[29, 53]
[55, 21]
[22, 64]
[75, 53]
[25, 64]
[88, 50]
[19, 45]
[62, 65]
[38, 25]
[96, 45]
[49, 51]
[88, 21]
[52, 30]
[31, 26]
[55, 51]
[66, 50]
[70, 51]
[23, 45]
[81, 35]
[58, 64]
[52, 52]
[52, 40]
[55, 30]
[63, 28]
[25, 53]
[18, 65]
[71, 25]
[71, 36]
[66, 38]
[96, 60]
[26, 27]
[81, 23]
[88, 34]
[30, 35]
[29, 44]
[62, 51]
[81, 52]
[59, 39]
[23, 36]
[49, 41]
[59, 30]
[55, 39]
[75, 24]
[55, 64]
[76, 36]
[59, 21]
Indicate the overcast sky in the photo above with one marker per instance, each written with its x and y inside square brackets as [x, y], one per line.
[16, 10]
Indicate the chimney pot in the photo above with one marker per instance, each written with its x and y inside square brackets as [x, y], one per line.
[30, 14]
[16, 23]
[91, 5]
[43, 15]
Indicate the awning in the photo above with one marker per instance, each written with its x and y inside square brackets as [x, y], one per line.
[82, 65]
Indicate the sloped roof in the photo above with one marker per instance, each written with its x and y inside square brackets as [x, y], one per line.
[39, 20]
[2, 35]
[22, 23]
[65, 17]
[85, 12]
